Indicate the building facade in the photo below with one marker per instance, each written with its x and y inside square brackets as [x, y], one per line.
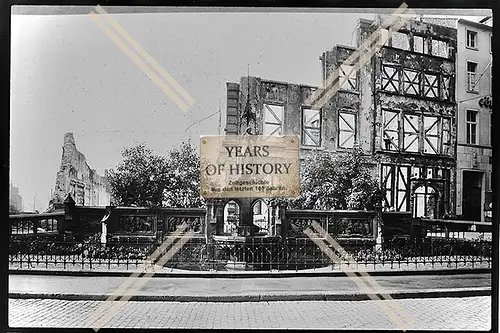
[15, 200]
[399, 107]
[75, 177]
[473, 91]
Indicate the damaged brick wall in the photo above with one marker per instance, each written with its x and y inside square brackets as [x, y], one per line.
[414, 110]
[414, 80]
[75, 177]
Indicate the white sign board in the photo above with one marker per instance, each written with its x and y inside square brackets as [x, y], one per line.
[249, 166]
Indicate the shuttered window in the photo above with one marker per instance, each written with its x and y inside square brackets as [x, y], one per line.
[396, 186]
[390, 78]
[431, 133]
[347, 77]
[410, 133]
[391, 130]
[347, 129]
[411, 82]
[273, 119]
[431, 86]
[311, 127]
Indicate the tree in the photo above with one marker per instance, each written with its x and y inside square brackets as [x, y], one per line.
[143, 179]
[341, 181]
[183, 187]
[140, 178]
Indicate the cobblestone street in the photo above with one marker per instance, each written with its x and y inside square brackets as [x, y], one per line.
[468, 313]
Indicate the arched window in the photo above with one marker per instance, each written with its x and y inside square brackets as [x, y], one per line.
[425, 202]
[231, 217]
[261, 216]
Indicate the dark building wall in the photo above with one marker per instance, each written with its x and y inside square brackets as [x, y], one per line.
[364, 98]
[424, 53]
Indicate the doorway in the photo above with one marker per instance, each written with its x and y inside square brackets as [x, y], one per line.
[471, 195]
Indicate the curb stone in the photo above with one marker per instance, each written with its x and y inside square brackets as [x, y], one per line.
[348, 296]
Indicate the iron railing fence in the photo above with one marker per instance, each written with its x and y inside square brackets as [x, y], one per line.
[288, 254]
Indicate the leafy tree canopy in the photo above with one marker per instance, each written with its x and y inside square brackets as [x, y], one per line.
[183, 187]
[337, 181]
[139, 179]
[143, 179]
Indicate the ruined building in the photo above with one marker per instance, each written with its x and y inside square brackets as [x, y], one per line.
[399, 107]
[75, 177]
[15, 200]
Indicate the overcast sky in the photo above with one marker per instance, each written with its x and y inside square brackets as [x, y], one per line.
[68, 76]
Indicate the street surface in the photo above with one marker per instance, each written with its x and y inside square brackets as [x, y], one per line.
[468, 313]
[241, 286]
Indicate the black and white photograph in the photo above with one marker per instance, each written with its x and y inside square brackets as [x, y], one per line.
[251, 168]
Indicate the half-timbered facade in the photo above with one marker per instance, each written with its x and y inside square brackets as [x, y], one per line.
[399, 108]
[411, 84]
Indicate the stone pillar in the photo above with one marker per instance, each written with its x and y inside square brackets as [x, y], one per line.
[69, 215]
[378, 228]
[272, 218]
[284, 220]
[219, 216]
[246, 212]
[211, 218]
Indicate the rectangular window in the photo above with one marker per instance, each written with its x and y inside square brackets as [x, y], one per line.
[446, 140]
[410, 133]
[390, 78]
[395, 185]
[411, 82]
[391, 130]
[273, 119]
[311, 127]
[431, 135]
[383, 37]
[387, 184]
[429, 172]
[347, 77]
[431, 86]
[402, 189]
[347, 129]
[440, 48]
[400, 40]
[471, 39]
[415, 172]
[420, 45]
[471, 126]
[471, 76]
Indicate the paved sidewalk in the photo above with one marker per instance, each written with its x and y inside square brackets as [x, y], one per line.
[255, 289]
[472, 313]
